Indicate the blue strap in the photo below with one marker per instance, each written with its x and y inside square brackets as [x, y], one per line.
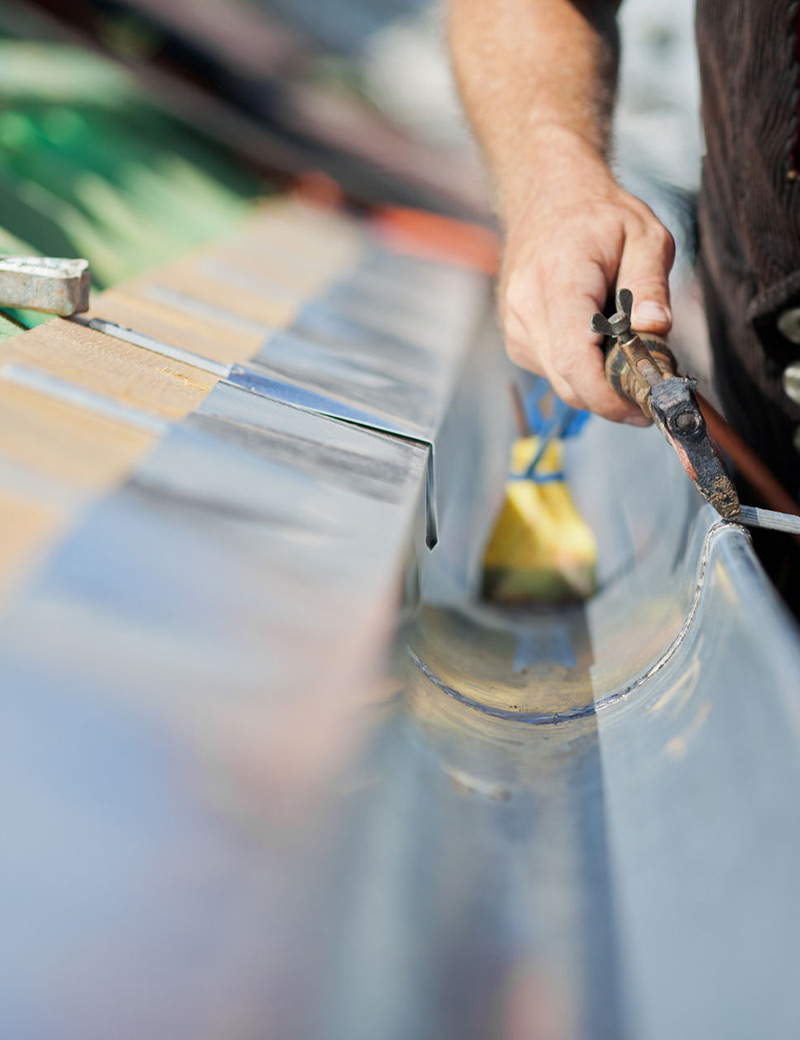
[537, 478]
[562, 422]
[575, 417]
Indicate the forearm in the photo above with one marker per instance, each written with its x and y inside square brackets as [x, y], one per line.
[537, 78]
[532, 74]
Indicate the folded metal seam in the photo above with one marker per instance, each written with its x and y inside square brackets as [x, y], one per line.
[252, 380]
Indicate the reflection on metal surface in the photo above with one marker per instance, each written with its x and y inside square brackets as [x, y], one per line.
[475, 657]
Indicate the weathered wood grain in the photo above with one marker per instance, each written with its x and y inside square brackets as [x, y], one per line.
[135, 377]
[67, 443]
[213, 340]
[198, 286]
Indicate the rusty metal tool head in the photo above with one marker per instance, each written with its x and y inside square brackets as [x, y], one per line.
[42, 283]
[644, 371]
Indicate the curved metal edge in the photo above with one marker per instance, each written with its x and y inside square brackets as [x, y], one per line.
[713, 535]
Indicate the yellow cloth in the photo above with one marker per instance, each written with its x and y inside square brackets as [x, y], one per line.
[541, 547]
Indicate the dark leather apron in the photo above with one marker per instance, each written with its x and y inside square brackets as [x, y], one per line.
[750, 216]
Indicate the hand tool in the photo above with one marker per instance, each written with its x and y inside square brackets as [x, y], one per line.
[42, 283]
[643, 370]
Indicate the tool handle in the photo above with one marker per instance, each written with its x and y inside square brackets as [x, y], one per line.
[634, 367]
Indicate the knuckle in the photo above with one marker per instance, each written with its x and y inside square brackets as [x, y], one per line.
[548, 274]
[569, 397]
[515, 333]
[564, 366]
[565, 391]
[644, 213]
[668, 246]
[644, 224]
[638, 225]
[540, 264]
[514, 351]
[635, 216]
[619, 412]
[661, 236]
[523, 355]
[516, 297]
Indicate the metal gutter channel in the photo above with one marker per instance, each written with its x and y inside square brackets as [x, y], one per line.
[222, 817]
[615, 807]
[629, 873]
[700, 786]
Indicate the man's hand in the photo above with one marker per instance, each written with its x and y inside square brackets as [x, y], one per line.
[571, 238]
[537, 78]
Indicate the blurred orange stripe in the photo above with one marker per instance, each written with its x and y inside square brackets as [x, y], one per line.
[431, 236]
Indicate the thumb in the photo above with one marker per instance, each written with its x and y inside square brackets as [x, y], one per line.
[644, 269]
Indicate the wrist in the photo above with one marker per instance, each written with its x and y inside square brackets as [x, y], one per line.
[553, 160]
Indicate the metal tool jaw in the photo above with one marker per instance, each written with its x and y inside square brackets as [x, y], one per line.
[678, 416]
[49, 284]
[644, 371]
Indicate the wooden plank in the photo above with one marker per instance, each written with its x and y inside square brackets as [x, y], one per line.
[75, 447]
[222, 343]
[289, 252]
[226, 296]
[27, 530]
[130, 375]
